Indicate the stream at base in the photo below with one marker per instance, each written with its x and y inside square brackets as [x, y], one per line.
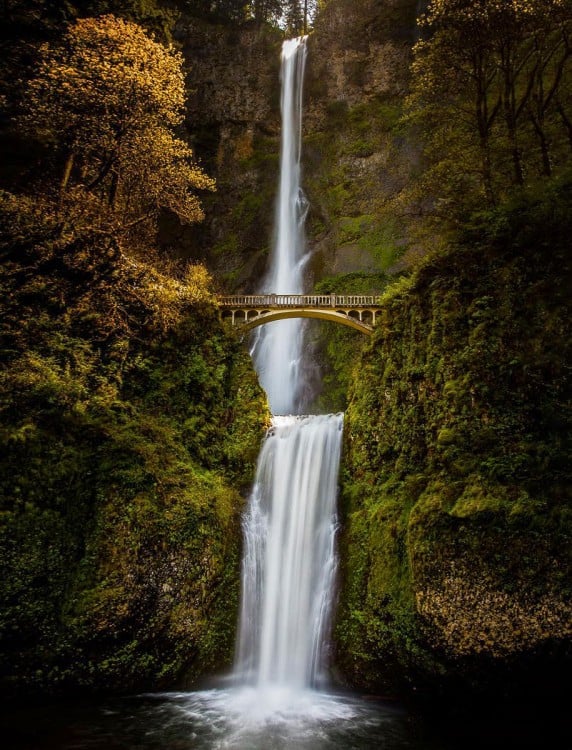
[221, 718]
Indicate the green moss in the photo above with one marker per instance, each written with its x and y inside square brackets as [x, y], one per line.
[383, 243]
[456, 482]
[340, 347]
[241, 211]
[382, 113]
[123, 450]
[352, 228]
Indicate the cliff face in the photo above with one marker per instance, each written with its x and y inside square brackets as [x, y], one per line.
[355, 160]
[130, 423]
[457, 562]
[233, 123]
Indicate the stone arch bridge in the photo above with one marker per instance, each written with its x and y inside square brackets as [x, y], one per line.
[357, 311]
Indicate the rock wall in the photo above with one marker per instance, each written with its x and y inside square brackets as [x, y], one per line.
[131, 424]
[233, 124]
[355, 158]
[357, 164]
[457, 561]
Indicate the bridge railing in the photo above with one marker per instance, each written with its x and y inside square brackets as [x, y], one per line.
[299, 300]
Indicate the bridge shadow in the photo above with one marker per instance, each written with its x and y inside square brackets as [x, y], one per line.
[256, 318]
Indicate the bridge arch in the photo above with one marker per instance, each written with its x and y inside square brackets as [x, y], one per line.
[251, 310]
[267, 316]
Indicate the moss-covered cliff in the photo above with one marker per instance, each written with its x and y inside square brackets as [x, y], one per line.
[130, 421]
[457, 488]
[356, 158]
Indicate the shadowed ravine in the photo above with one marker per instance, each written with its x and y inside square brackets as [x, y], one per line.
[277, 697]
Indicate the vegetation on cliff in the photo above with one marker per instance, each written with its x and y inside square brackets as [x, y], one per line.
[491, 94]
[456, 488]
[130, 419]
[456, 493]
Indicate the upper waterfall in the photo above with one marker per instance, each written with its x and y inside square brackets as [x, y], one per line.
[278, 346]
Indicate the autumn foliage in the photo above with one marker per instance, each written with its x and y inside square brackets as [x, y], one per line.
[109, 98]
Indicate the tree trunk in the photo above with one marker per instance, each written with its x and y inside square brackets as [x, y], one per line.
[513, 142]
[537, 124]
[484, 119]
[113, 188]
[510, 111]
[67, 174]
[565, 120]
[486, 171]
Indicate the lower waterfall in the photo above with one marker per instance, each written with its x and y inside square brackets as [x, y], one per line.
[289, 559]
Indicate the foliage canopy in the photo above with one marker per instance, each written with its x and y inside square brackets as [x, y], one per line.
[492, 93]
[109, 97]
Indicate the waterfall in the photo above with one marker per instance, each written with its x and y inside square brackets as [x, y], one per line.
[277, 348]
[277, 698]
[289, 562]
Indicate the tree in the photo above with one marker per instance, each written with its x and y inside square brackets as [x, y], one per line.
[110, 97]
[499, 68]
[298, 15]
[234, 11]
[266, 11]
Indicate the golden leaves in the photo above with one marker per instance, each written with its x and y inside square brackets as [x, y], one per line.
[112, 95]
[472, 614]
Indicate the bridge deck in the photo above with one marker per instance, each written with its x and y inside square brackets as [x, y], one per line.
[357, 311]
[257, 301]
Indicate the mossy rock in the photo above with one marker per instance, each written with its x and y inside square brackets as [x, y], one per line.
[126, 453]
[456, 555]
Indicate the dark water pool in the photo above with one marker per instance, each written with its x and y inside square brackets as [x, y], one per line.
[248, 720]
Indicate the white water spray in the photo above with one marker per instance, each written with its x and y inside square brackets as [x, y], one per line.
[277, 347]
[289, 562]
[289, 559]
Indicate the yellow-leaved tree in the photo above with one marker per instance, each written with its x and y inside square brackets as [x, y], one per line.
[110, 97]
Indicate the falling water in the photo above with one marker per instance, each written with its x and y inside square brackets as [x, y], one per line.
[277, 350]
[277, 698]
[289, 561]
